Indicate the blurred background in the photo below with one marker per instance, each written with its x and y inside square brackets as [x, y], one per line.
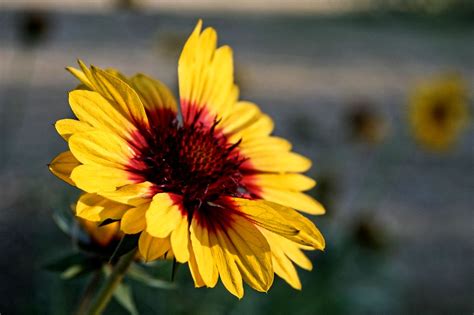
[377, 93]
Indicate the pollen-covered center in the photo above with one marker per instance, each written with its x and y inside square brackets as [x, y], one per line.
[191, 159]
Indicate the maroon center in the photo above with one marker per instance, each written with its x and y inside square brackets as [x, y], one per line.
[191, 159]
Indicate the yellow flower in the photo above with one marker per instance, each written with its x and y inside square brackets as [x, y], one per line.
[209, 186]
[101, 235]
[439, 112]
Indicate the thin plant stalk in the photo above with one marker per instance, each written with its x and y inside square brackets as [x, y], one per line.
[105, 293]
[89, 293]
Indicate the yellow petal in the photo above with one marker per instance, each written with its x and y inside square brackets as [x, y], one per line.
[133, 221]
[203, 254]
[193, 268]
[63, 165]
[134, 194]
[117, 74]
[281, 220]
[81, 75]
[292, 250]
[293, 182]
[243, 114]
[206, 75]
[294, 199]
[119, 92]
[102, 235]
[251, 252]
[163, 216]
[87, 79]
[179, 240]
[95, 208]
[112, 85]
[101, 148]
[219, 92]
[153, 93]
[225, 262]
[152, 248]
[281, 263]
[272, 145]
[281, 162]
[95, 178]
[94, 109]
[285, 269]
[262, 127]
[67, 127]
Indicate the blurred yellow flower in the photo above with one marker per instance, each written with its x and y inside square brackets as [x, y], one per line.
[439, 112]
[208, 185]
[101, 235]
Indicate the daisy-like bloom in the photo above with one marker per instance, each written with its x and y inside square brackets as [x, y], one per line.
[207, 184]
[439, 112]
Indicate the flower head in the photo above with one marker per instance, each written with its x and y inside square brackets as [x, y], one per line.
[208, 183]
[439, 112]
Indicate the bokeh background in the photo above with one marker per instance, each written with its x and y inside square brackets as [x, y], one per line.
[336, 76]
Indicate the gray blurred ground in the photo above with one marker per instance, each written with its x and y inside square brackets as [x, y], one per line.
[306, 73]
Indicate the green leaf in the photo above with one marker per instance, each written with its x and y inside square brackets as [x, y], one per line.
[72, 272]
[73, 265]
[139, 274]
[123, 295]
[63, 222]
[64, 262]
[69, 226]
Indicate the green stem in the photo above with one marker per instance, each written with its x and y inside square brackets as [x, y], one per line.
[88, 293]
[105, 294]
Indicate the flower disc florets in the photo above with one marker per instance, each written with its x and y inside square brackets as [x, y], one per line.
[190, 159]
